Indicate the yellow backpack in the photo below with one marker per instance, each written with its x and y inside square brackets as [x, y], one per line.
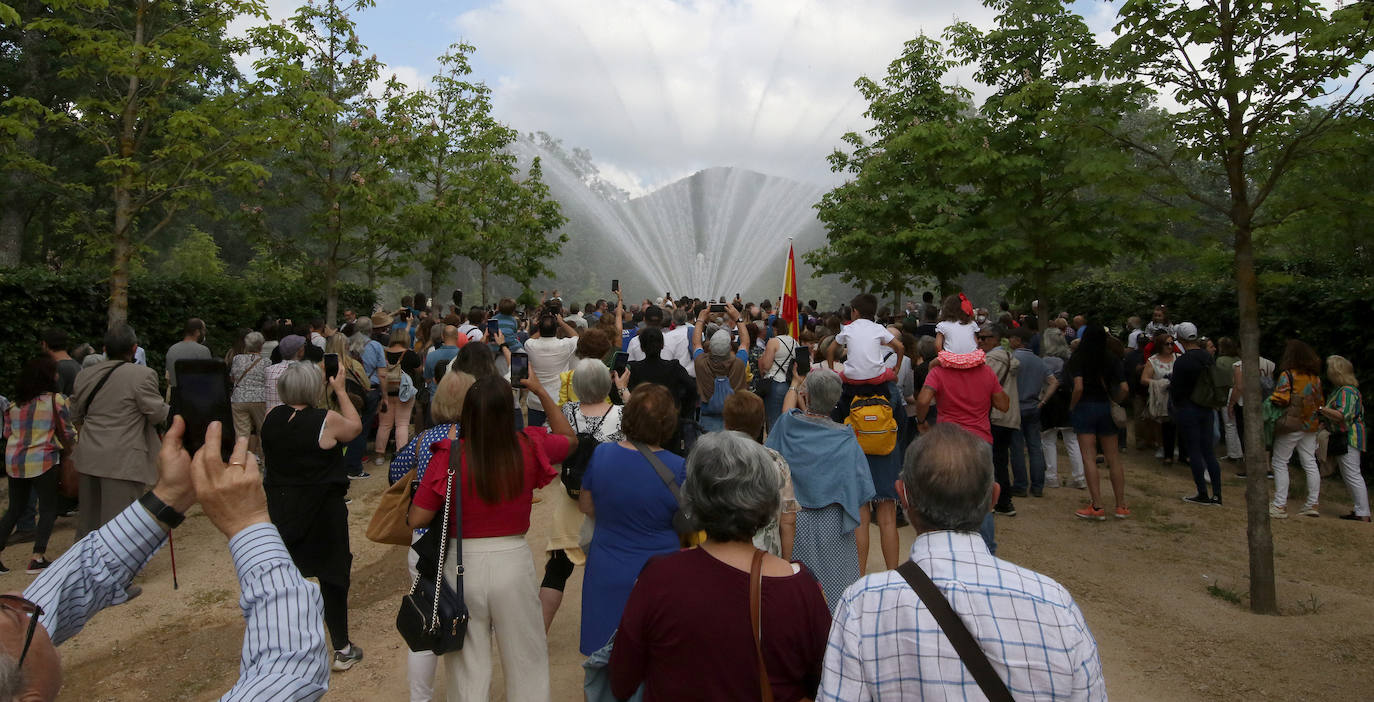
[873, 423]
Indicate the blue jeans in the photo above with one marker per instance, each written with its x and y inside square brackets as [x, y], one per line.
[772, 405]
[988, 531]
[1024, 444]
[1196, 441]
[353, 453]
[1001, 450]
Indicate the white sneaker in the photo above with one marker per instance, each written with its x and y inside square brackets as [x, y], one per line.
[1051, 481]
[1159, 453]
[379, 460]
[1276, 512]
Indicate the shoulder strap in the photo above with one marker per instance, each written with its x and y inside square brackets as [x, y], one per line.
[247, 370]
[664, 473]
[755, 622]
[969, 651]
[86, 407]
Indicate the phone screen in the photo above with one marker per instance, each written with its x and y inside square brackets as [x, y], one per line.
[331, 365]
[621, 360]
[519, 368]
[615, 285]
[457, 298]
[717, 309]
[493, 327]
[803, 360]
[203, 397]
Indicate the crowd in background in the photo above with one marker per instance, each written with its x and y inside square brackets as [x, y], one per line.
[762, 444]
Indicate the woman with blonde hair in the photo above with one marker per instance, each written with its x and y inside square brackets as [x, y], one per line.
[1344, 410]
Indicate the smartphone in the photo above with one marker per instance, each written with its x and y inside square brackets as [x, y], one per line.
[615, 285]
[621, 359]
[458, 298]
[493, 327]
[717, 308]
[519, 368]
[331, 365]
[803, 360]
[201, 397]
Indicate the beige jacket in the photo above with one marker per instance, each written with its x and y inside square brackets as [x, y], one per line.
[117, 437]
[1006, 366]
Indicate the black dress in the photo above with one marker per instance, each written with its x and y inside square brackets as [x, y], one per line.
[305, 487]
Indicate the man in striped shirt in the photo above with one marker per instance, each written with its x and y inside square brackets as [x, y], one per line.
[886, 645]
[284, 655]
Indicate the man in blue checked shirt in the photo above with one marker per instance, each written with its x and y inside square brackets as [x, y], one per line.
[284, 656]
[885, 645]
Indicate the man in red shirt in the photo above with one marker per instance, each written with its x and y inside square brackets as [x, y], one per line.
[965, 397]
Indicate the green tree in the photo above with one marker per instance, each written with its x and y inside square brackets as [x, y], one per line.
[1048, 190]
[338, 145]
[456, 139]
[514, 223]
[1245, 76]
[195, 257]
[162, 108]
[904, 212]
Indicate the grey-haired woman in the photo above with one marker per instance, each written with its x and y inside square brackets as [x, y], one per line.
[685, 613]
[830, 479]
[306, 482]
[248, 371]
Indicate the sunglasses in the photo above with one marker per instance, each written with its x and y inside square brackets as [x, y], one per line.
[19, 604]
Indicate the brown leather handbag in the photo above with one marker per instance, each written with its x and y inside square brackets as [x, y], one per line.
[389, 523]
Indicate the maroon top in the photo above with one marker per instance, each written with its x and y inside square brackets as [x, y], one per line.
[685, 633]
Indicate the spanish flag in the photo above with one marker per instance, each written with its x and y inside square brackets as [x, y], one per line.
[790, 308]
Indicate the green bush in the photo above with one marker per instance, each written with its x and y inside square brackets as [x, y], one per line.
[33, 300]
[1324, 311]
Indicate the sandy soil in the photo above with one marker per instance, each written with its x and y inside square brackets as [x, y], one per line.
[1142, 583]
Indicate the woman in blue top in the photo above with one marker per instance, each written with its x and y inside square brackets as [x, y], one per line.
[633, 510]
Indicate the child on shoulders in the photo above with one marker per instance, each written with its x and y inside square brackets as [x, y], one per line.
[956, 335]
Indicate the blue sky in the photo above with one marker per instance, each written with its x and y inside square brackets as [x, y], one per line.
[658, 89]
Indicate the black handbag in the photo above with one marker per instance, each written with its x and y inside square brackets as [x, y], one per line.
[433, 615]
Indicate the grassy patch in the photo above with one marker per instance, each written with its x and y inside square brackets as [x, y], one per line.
[1311, 605]
[1222, 592]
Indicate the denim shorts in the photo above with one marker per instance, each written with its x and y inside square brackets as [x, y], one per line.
[1093, 418]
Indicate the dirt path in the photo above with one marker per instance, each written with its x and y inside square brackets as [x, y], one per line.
[1142, 584]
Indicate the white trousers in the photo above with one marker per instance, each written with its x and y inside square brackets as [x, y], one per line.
[420, 667]
[1051, 451]
[1305, 443]
[1234, 447]
[1354, 482]
[502, 596]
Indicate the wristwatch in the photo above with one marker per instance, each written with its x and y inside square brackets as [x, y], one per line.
[161, 511]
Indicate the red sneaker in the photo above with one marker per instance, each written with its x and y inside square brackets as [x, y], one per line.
[1091, 512]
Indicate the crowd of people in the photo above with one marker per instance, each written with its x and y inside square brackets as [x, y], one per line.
[717, 469]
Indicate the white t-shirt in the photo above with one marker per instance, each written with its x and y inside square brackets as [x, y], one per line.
[473, 333]
[549, 358]
[677, 345]
[960, 337]
[864, 342]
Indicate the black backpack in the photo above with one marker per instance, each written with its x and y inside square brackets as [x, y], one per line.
[575, 465]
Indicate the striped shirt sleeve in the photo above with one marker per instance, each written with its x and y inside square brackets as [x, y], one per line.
[284, 653]
[95, 572]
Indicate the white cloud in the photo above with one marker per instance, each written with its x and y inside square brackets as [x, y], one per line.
[658, 89]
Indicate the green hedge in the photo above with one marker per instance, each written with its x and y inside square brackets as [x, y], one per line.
[33, 300]
[1328, 312]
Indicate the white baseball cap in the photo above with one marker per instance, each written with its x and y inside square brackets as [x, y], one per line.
[1185, 331]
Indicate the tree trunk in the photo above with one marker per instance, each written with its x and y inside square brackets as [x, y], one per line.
[123, 245]
[484, 284]
[331, 286]
[1260, 538]
[434, 287]
[11, 230]
[122, 257]
[1042, 289]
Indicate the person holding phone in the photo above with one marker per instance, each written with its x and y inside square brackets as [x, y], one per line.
[776, 367]
[306, 483]
[549, 356]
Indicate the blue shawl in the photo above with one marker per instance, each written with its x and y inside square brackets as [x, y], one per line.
[828, 466]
